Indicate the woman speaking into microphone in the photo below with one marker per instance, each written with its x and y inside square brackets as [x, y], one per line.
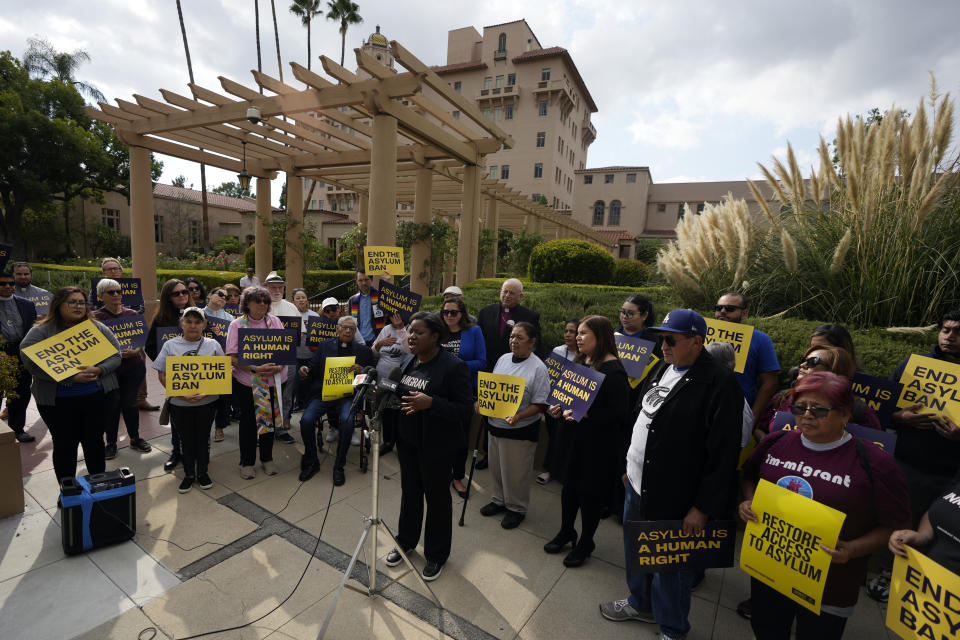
[435, 401]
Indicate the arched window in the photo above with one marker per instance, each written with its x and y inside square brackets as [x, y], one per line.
[614, 213]
[502, 42]
[598, 213]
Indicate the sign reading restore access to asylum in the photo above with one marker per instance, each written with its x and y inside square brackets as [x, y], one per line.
[661, 545]
[198, 375]
[499, 395]
[61, 355]
[736, 333]
[933, 383]
[383, 260]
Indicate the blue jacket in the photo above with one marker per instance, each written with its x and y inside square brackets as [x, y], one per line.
[330, 349]
[473, 351]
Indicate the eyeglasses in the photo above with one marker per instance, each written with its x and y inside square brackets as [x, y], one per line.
[76, 304]
[178, 292]
[627, 313]
[260, 300]
[817, 412]
[814, 361]
[726, 307]
[672, 340]
[451, 312]
[112, 292]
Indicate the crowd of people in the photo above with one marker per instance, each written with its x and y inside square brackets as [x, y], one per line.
[665, 446]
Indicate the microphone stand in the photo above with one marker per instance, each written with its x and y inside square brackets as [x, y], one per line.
[372, 522]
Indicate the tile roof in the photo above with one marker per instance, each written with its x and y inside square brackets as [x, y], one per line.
[528, 56]
[613, 168]
[619, 234]
[213, 199]
[539, 53]
[460, 66]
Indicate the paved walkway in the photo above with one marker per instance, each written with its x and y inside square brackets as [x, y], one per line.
[216, 559]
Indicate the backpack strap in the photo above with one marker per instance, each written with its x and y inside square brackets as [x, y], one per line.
[859, 411]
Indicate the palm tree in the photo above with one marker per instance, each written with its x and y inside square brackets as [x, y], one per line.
[346, 12]
[306, 10]
[43, 61]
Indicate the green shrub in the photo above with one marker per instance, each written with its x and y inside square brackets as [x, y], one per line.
[566, 260]
[347, 260]
[227, 243]
[630, 273]
[250, 257]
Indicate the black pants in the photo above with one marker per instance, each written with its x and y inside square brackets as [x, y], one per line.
[460, 455]
[247, 433]
[223, 411]
[76, 421]
[17, 408]
[586, 495]
[773, 616]
[425, 478]
[301, 388]
[391, 418]
[124, 401]
[193, 424]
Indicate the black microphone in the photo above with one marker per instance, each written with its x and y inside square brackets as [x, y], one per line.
[387, 387]
[362, 383]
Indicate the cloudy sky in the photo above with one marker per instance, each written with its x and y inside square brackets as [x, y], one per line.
[697, 90]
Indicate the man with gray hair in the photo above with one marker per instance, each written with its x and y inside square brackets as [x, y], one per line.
[497, 320]
[24, 287]
[343, 345]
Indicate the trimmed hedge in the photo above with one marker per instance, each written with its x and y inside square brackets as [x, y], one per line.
[631, 273]
[567, 260]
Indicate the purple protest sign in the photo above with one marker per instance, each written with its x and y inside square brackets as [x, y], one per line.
[267, 346]
[880, 395]
[131, 293]
[634, 354]
[233, 308]
[554, 367]
[396, 300]
[576, 388]
[130, 331]
[320, 329]
[217, 329]
[661, 545]
[5, 251]
[786, 421]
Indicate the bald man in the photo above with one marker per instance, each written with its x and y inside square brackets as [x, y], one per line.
[497, 320]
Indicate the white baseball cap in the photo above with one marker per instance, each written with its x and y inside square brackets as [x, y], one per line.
[329, 302]
[455, 290]
[196, 310]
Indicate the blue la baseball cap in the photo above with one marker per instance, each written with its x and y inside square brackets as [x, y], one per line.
[684, 321]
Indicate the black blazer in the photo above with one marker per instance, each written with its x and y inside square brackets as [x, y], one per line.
[28, 316]
[436, 431]
[693, 443]
[498, 344]
[331, 349]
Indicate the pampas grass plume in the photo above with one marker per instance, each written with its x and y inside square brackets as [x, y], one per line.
[840, 253]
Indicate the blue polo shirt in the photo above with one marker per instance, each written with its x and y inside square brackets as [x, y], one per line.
[761, 358]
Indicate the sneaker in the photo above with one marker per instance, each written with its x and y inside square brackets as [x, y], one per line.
[285, 438]
[355, 439]
[620, 611]
[204, 481]
[543, 478]
[512, 520]
[432, 571]
[141, 445]
[492, 509]
[308, 469]
[172, 462]
[879, 588]
[269, 468]
[110, 451]
[185, 485]
[247, 472]
[332, 435]
[23, 436]
[393, 558]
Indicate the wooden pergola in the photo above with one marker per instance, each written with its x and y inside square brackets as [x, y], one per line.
[391, 137]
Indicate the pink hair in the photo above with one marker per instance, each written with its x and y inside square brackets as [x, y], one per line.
[836, 389]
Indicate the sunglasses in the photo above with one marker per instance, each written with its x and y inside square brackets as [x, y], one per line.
[6, 283]
[77, 304]
[726, 307]
[178, 292]
[194, 288]
[627, 313]
[451, 312]
[814, 361]
[817, 412]
[112, 292]
[220, 294]
[672, 340]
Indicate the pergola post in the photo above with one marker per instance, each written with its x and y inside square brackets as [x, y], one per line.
[493, 223]
[295, 230]
[467, 241]
[420, 251]
[263, 248]
[448, 259]
[382, 227]
[364, 210]
[538, 225]
[142, 234]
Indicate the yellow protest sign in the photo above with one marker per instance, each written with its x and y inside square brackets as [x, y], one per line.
[206, 375]
[499, 395]
[932, 383]
[737, 334]
[82, 345]
[383, 260]
[337, 377]
[782, 549]
[924, 598]
[635, 382]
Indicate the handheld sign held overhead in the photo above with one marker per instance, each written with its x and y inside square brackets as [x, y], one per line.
[396, 300]
[498, 395]
[338, 377]
[782, 549]
[924, 598]
[130, 331]
[320, 329]
[6, 251]
[383, 260]
[738, 334]
[576, 389]
[634, 354]
[661, 545]
[267, 346]
[203, 375]
[131, 295]
[933, 383]
[61, 355]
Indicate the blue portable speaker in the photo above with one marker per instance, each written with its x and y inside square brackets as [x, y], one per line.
[97, 510]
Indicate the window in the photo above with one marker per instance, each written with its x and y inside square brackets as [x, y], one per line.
[661, 208]
[349, 205]
[588, 179]
[508, 112]
[313, 204]
[535, 197]
[458, 86]
[631, 177]
[614, 219]
[542, 107]
[538, 170]
[598, 213]
[111, 218]
[608, 178]
[195, 233]
[505, 172]
[541, 138]
[511, 79]
[333, 205]
[493, 171]
[700, 208]
[488, 82]
[456, 115]
[157, 228]
[498, 82]
[487, 113]
[559, 144]
[502, 42]
[498, 113]
[680, 211]
[332, 243]
[321, 204]
[545, 74]
[340, 204]
[556, 175]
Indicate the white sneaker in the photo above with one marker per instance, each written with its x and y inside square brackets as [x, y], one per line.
[269, 468]
[355, 440]
[247, 472]
[332, 435]
[543, 478]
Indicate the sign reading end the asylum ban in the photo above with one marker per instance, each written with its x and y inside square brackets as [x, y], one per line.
[396, 300]
[661, 545]
[634, 354]
[267, 346]
[736, 333]
[935, 384]
[130, 331]
[383, 260]
[62, 354]
[924, 598]
[198, 375]
[499, 395]
[576, 389]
